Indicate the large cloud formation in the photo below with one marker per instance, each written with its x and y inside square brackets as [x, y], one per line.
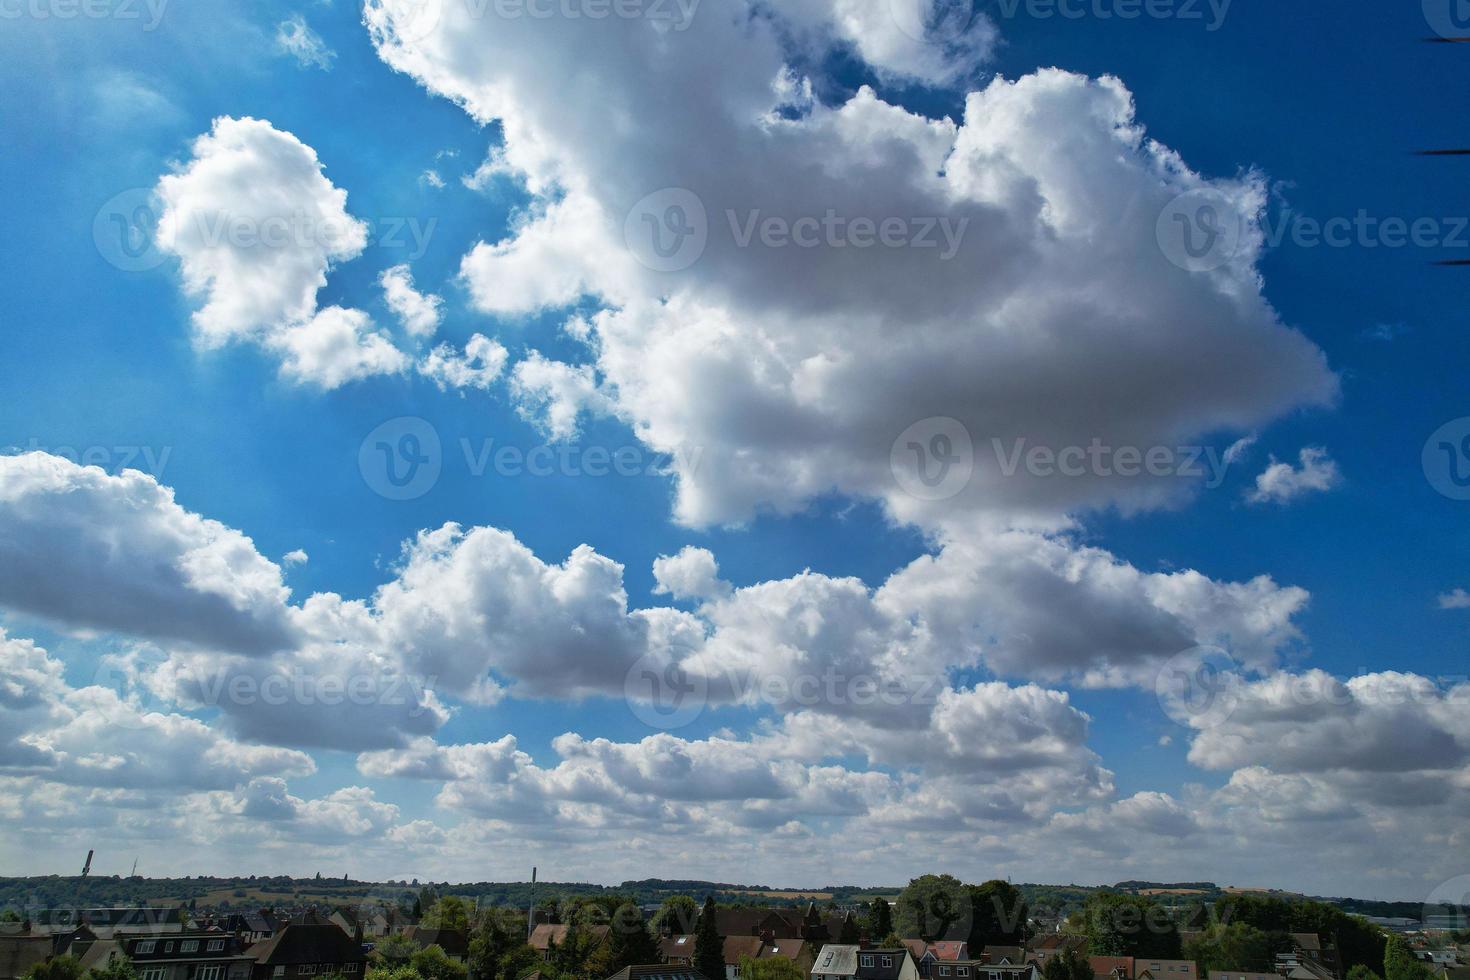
[1059, 320]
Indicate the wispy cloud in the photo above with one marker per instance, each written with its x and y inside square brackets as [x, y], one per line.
[296, 38]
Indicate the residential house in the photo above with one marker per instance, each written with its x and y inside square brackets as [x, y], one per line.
[454, 942]
[982, 970]
[841, 962]
[251, 927]
[1145, 969]
[315, 949]
[19, 951]
[675, 950]
[798, 951]
[1239, 975]
[1111, 967]
[738, 948]
[655, 971]
[926, 955]
[546, 936]
[809, 924]
[185, 956]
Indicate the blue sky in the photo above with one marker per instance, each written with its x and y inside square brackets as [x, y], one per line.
[1315, 112]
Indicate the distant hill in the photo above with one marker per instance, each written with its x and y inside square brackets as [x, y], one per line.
[225, 894]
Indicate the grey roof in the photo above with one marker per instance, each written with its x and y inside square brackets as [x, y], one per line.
[841, 960]
[657, 971]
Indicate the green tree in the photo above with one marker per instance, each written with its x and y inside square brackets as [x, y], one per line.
[518, 961]
[449, 912]
[933, 907]
[880, 918]
[676, 916]
[117, 968]
[1237, 946]
[1361, 972]
[432, 963]
[998, 915]
[392, 952]
[1067, 965]
[1357, 941]
[496, 934]
[56, 968]
[850, 934]
[629, 943]
[1129, 925]
[709, 945]
[1399, 962]
[772, 968]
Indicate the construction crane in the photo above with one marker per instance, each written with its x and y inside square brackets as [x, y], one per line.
[87, 868]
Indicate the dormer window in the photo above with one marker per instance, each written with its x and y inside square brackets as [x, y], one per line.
[887, 962]
[146, 946]
[189, 946]
[867, 961]
[944, 971]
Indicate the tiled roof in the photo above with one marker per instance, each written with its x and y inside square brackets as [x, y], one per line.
[545, 934]
[453, 941]
[738, 947]
[300, 943]
[657, 972]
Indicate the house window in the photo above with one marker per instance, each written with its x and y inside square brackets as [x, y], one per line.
[152, 973]
[208, 973]
[867, 961]
[944, 971]
[168, 947]
[306, 969]
[216, 945]
[279, 971]
[962, 971]
[887, 962]
[350, 968]
[189, 946]
[146, 946]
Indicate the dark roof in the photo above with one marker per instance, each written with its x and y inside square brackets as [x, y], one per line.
[300, 943]
[453, 941]
[657, 971]
[201, 950]
[131, 919]
[877, 971]
[737, 947]
[250, 922]
[19, 953]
